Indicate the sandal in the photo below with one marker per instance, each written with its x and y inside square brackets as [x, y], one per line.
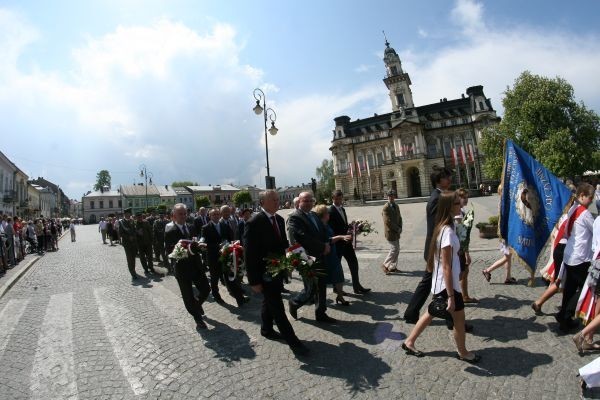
[476, 358]
[467, 300]
[510, 281]
[385, 269]
[487, 275]
[412, 352]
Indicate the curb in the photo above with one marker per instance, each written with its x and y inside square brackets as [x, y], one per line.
[15, 278]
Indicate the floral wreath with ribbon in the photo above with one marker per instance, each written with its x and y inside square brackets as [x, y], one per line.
[232, 260]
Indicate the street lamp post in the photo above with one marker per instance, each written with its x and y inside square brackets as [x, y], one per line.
[147, 176]
[271, 115]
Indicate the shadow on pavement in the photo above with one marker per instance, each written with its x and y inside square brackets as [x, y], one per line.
[368, 333]
[507, 361]
[506, 329]
[360, 369]
[229, 344]
[501, 302]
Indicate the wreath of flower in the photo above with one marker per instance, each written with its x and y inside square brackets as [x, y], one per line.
[232, 260]
[295, 258]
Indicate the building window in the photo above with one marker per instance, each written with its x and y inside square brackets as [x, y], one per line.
[137, 202]
[431, 149]
[92, 205]
[101, 203]
[454, 122]
[370, 160]
[361, 163]
[110, 204]
[130, 203]
[120, 204]
[400, 99]
[379, 158]
[481, 105]
[393, 70]
[465, 120]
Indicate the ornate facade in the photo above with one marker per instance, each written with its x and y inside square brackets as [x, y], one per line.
[398, 150]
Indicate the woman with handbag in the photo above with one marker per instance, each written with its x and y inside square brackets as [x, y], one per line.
[443, 261]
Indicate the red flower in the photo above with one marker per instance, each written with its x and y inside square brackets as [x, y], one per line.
[274, 262]
[295, 262]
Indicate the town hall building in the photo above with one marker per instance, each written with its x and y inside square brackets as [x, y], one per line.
[399, 150]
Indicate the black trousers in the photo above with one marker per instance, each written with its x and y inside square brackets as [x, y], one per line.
[193, 304]
[419, 298]
[216, 274]
[130, 253]
[146, 257]
[274, 311]
[347, 251]
[159, 252]
[576, 275]
[319, 290]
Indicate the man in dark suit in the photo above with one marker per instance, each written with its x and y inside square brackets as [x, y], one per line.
[264, 236]
[214, 234]
[187, 270]
[246, 214]
[338, 221]
[127, 234]
[201, 219]
[440, 180]
[307, 229]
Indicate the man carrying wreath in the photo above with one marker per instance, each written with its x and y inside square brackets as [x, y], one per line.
[188, 269]
[264, 238]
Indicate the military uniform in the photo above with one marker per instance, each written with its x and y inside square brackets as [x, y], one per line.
[143, 235]
[158, 238]
[126, 228]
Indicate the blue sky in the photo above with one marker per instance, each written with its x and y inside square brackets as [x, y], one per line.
[113, 84]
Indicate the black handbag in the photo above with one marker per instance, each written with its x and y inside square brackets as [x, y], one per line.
[437, 307]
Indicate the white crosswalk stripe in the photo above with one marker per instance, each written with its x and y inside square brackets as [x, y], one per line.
[53, 371]
[120, 329]
[9, 318]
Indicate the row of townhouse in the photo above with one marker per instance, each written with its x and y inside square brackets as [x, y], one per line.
[29, 198]
[106, 202]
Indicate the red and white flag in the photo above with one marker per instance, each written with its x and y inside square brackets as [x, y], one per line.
[358, 168]
[463, 157]
[471, 155]
[351, 169]
[453, 155]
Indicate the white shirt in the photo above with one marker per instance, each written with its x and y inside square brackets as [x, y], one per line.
[579, 243]
[446, 238]
[102, 225]
[596, 238]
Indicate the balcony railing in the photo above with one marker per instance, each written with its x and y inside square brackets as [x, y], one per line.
[9, 196]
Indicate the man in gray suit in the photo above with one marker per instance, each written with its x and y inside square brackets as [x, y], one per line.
[392, 226]
[306, 228]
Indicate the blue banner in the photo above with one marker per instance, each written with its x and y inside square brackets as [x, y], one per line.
[533, 199]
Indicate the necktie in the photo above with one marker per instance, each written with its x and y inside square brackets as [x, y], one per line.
[275, 227]
[185, 231]
[344, 215]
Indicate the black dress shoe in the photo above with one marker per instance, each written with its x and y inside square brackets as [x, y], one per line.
[326, 318]
[293, 309]
[364, 290]
[300, 349]
[242, 300]
[200, 324]
[135, 277]
[272, 335]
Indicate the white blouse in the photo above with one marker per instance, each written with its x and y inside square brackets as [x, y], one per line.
[579, 243]
[446, 238]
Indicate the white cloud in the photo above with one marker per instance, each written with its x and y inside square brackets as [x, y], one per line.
[363, 68]
[422, 33]
[469, 15]
[494, 58]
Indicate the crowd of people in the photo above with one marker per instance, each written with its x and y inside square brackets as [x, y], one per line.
[324, 233]
[20, 238]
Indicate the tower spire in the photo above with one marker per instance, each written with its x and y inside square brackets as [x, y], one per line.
[387, 44]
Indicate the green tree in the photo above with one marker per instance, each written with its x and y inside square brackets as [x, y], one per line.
[183, 183]
[542, 116]
[202, 201]
[325, 181]
[161, 208]
[102, 179]
[242, 197]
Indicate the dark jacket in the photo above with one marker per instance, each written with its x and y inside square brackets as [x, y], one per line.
[213, 240]
[304, 232]
[191, 267]
[431, 210]
[339, 226]
[261, 241]
[127, 233]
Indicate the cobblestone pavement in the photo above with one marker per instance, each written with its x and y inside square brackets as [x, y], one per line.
[74, 327]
